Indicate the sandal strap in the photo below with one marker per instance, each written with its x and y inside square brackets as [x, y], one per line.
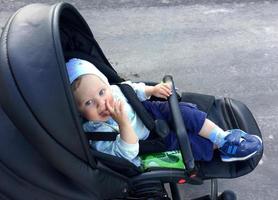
[235, 137]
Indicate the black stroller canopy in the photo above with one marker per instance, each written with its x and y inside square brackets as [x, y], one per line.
[35, 93]
[33, 80]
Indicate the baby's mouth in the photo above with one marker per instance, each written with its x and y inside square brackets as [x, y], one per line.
[104, 113]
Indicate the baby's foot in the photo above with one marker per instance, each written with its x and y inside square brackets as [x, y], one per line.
[240, 146]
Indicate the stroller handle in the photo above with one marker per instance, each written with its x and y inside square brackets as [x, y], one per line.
[179, 126]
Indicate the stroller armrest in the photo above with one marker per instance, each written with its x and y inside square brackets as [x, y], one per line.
[179, 127]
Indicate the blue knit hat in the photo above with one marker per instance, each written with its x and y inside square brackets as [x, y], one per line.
[77, 67]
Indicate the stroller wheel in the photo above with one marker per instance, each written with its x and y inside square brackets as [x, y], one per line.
[227, 195]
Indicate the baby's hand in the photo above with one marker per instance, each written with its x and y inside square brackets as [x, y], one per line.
[117, 111]
[162, 90]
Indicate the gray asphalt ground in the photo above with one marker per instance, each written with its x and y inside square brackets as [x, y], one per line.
[223, 48]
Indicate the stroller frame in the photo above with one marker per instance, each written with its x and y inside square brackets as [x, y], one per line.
[49, 137]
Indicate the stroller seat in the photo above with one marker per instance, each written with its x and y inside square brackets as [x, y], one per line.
[226, 112]
[40, 124]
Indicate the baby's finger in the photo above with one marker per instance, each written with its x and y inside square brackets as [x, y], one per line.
[167, 87]
[109, 107]
[118, 106]
[115, 106]
[121, 106]
[165, 91]
[162, 95]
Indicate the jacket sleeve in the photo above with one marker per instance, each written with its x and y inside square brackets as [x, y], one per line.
[117, 148]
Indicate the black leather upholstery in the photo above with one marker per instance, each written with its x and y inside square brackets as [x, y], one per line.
[36, 97]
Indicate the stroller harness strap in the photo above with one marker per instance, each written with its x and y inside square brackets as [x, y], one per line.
[101, 136]
[135, 103]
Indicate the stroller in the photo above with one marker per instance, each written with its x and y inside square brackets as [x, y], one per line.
[44, 152]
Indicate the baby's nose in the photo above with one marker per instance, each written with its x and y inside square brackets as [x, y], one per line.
[101, 102]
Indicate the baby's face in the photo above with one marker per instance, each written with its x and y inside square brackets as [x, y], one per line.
[90, 96]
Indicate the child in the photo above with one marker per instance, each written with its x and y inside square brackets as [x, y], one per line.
[107, 110]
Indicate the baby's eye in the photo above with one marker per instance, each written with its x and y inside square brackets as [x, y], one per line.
[101, 92]
[89, 103]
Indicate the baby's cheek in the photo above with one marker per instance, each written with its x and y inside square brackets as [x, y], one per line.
[89, 116]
